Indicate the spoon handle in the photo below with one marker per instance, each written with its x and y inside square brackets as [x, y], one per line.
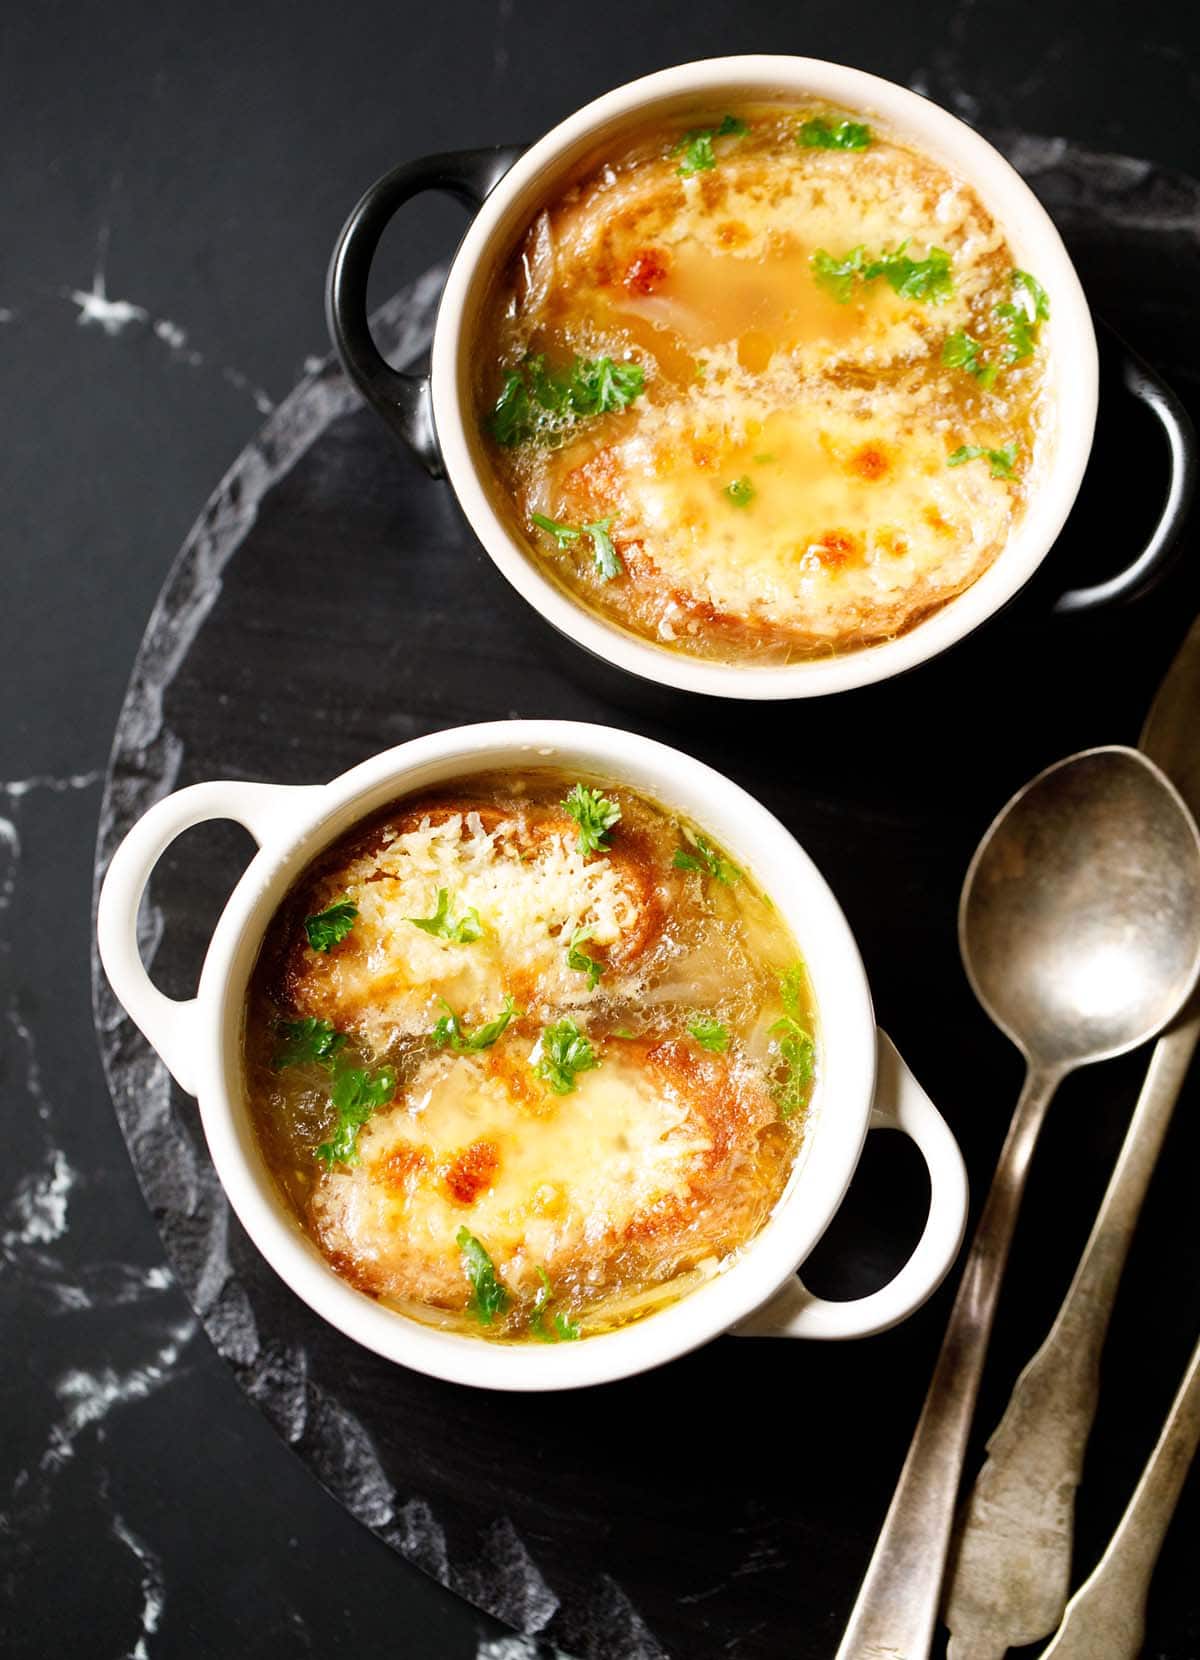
[1010, 1579]
[893, 1618]
[1107, 1615]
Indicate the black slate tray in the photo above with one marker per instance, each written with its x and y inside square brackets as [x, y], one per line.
[331, 602]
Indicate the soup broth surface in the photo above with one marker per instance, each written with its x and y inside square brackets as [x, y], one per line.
[526, 1062]
[764, 385]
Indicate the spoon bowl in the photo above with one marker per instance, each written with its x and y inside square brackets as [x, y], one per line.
[1080, 915]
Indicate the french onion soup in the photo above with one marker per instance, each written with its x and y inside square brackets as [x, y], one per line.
[764, 387]
[530, 1056]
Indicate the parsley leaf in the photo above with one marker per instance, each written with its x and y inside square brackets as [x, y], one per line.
[307, 1041]
[331, 926]
[1022, 317]
[914, 279]
[563, 534]
[607, 559]
[355, 1096]
[697, 146]
[511, 418]
[1001, 461]
[565, 1330]
[707, 858]
[791, 984]
[796, 1052]
[927, 279]
[544, 404]
[488, 1295]
[1039, 296]
[465, 931]
[819, 134]
[565, 1051]
[595, 815]
[580, 961]
[961, 351]
[796, 1047]
[599, 386]
[1022, 334]
[837, 276]
[741, 492]
[448, 1032]
[710, 1034]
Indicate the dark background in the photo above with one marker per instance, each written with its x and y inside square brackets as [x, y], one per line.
[202, 160]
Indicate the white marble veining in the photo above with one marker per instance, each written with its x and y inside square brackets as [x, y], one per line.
[262, 401]
[114, 317]
[37, 1211]
[154, 1591]
[87, 1397]
[515, 1648]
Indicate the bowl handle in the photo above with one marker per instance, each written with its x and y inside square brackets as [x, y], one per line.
[403, 401]
[1155, 558]
[900, 1104]
[267, 811]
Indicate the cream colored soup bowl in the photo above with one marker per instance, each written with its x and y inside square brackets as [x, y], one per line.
[862, 1083]
[435, 416]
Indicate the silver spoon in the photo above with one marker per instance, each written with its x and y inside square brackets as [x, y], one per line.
[1009, 1582]
[1080, 932]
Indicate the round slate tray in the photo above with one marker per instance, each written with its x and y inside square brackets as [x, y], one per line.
[331, 602]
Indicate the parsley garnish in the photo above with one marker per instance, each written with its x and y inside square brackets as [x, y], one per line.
[706, 858]
[565, 1051]
[607, 559]
[580, 961]
[795, 1047]
[511, 420]
[914, 279]
[927, 279]
[306, 1041]
[837, 276]
[355, 1096]
[1001, 461]
[1039, 296]
[448, 1033]
[1022, 318]
[710, 1034]
[488, 1295]
[697, 145]
[563, 534]
[594, 814]
[740, 492]
[960, 351]
[543, 404]
[565, 1330]
[465, 931]
[819, 134]
[331, 926]
[1020, 331]
[791, 984]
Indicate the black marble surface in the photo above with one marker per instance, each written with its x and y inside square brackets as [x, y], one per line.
[176, 180]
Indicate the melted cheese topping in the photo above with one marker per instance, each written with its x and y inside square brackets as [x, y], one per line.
[841, 416]
[570, 1184]
[531, 889]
